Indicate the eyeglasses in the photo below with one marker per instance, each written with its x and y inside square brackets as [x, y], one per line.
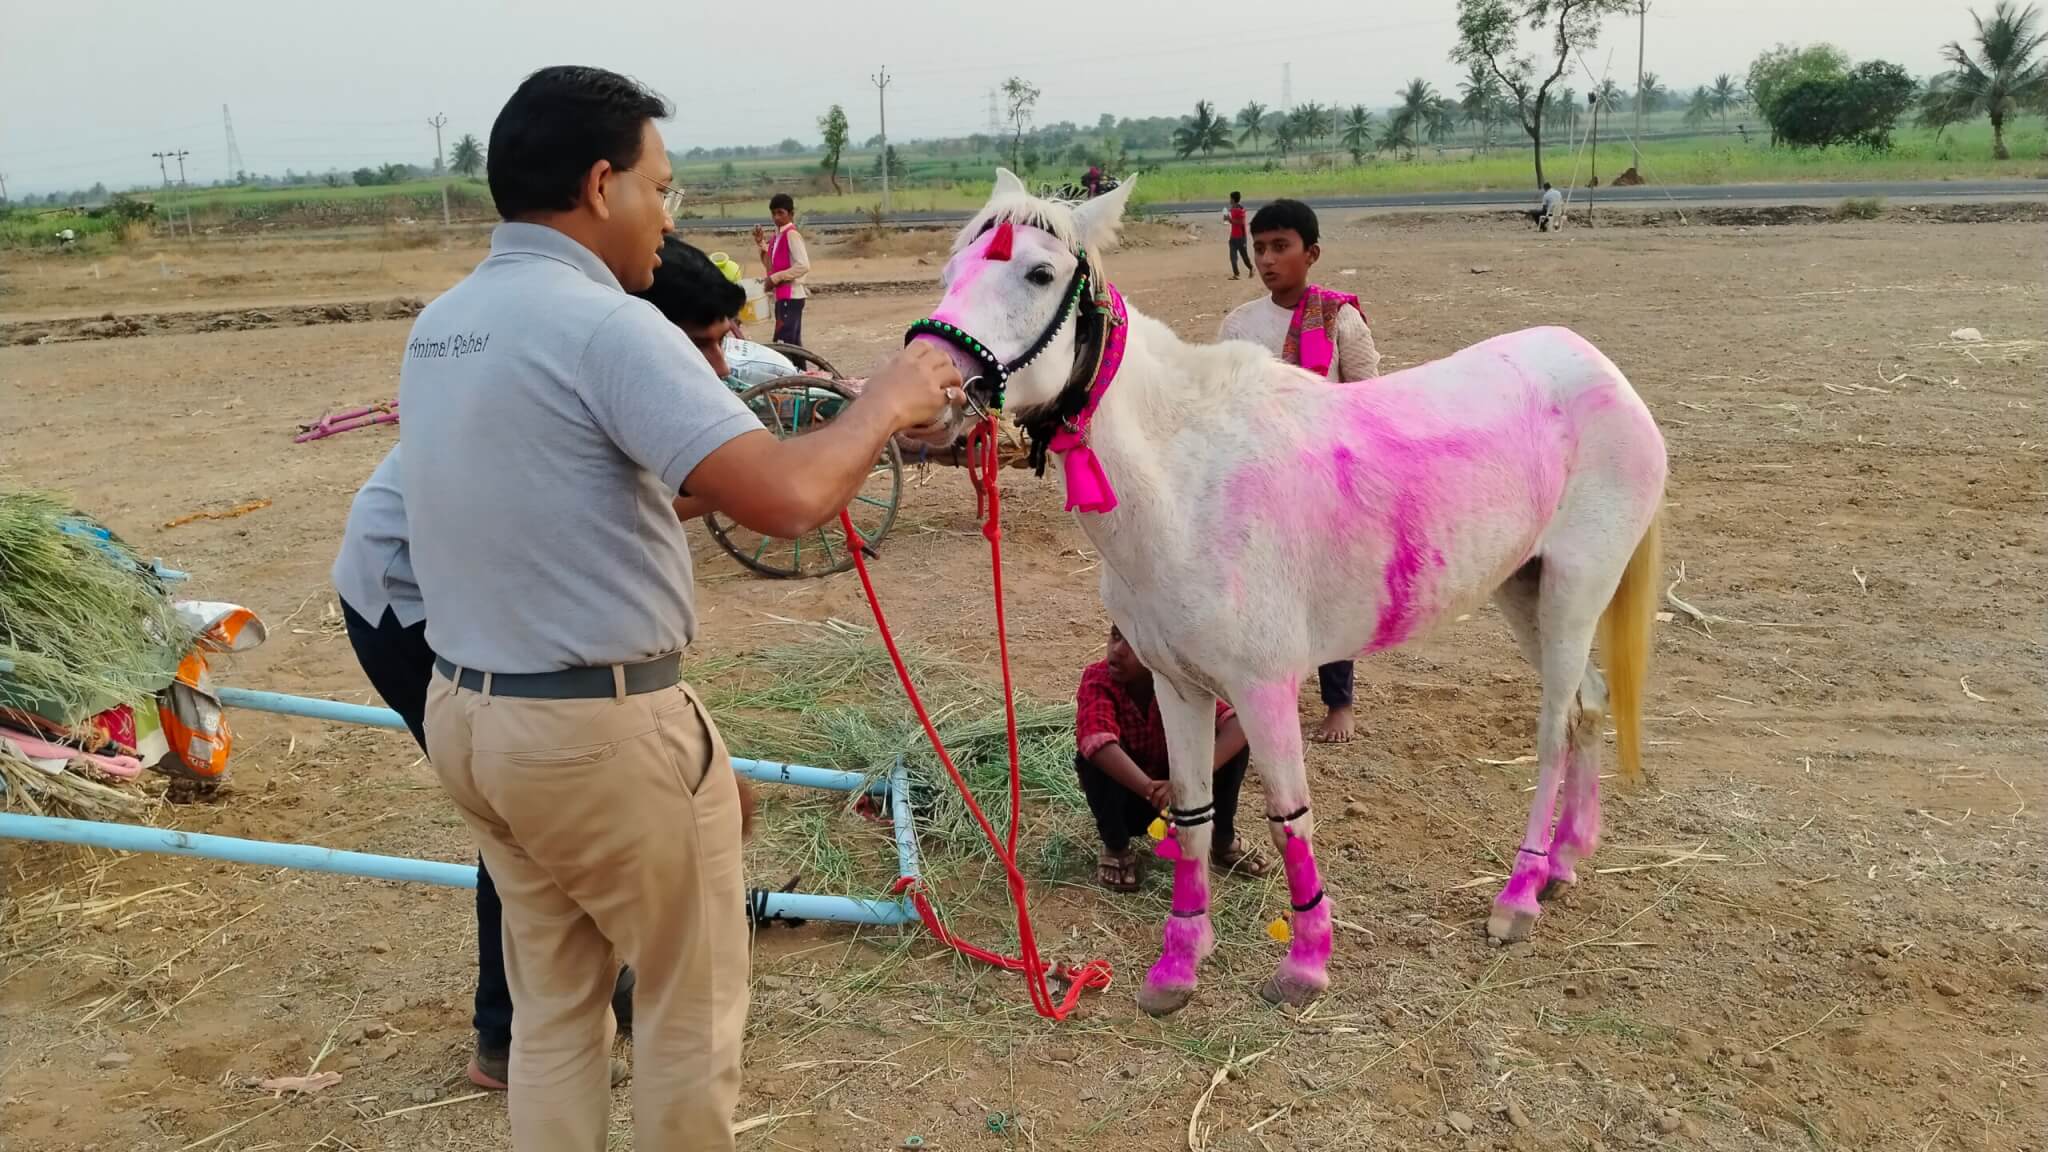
[671, 195]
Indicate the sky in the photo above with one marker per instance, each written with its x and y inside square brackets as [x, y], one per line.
[90, 88]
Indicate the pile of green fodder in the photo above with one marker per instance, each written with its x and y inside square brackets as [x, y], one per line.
[832, 699]
[85, 624]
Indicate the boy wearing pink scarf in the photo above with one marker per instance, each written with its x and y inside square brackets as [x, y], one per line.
[787, 262]
[1315, 328]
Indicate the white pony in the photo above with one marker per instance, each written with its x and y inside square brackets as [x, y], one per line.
[1255, 522]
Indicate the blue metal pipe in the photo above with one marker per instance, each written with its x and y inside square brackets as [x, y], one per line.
[312, 707]
[309, 858]
[906, 823]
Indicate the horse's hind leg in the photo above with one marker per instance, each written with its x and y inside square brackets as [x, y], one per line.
[1271, 728]
[1578, 821]
[1568, 606]
[1190, 718]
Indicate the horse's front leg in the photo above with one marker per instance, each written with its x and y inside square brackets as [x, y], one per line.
[1190, 718]
[1274, 732]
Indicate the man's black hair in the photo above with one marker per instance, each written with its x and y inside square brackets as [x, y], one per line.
[690, 290]
[1289, 216]
[1546, 185]
[558, 123]
[1234, 197]
[782, 201]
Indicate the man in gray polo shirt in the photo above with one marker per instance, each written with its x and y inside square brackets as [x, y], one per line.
[551, 421]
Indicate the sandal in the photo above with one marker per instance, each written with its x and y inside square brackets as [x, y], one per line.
[1235, 857]
[1120, 871]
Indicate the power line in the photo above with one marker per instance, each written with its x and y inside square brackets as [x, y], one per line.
[163, 171]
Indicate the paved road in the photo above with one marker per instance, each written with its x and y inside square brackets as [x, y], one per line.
[1644, 194]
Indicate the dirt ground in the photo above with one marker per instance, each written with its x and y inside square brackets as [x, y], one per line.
[1820, 925]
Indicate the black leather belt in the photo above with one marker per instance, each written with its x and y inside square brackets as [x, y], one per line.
[658, 674]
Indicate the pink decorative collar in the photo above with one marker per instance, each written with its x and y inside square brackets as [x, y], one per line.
[1088, 487]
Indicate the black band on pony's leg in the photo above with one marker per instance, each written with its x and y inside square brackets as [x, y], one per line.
[1311, 902]
[1191, 817]
[1291, 817]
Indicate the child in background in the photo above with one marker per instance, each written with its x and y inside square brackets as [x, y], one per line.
[787, 262]
[1120, 754]
[1314, 328]
[1237, 236]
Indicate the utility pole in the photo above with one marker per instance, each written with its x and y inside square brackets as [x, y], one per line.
[1593, 98]
[881, 82]
[161, 169]
[436, 121]
[1286, 86]
[3, 187]
[181, 154]
[995, 121]
[1642, 38]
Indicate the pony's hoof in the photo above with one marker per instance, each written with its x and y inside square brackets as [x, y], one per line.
[1295, 988]
[1164, 999]
[1561, 877]
[1510, 925]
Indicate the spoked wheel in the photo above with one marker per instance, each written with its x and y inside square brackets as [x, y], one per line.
[790, 407]
[804, 358]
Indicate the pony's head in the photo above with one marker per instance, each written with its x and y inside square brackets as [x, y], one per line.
[1011, 295]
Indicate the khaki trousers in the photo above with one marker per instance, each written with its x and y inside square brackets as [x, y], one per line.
[612, 827]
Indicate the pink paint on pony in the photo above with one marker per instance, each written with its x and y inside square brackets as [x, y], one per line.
[1308, 960]
[1188, 935]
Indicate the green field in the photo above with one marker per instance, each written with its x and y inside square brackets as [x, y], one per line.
[959, 181]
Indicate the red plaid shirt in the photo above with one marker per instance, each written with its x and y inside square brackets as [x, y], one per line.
[1108, 712]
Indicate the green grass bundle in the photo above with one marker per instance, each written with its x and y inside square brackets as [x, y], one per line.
[84, 623]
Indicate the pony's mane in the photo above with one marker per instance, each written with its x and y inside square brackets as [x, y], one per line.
[1053, 216]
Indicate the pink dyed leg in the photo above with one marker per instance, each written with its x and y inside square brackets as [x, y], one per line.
[1305, 972]
[1189, 940]
[1516, 908]
[1578, 825]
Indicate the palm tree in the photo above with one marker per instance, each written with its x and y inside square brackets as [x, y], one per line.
[1561, 113]
[1611, 95]
[2003, 79]
[1701, 108]
[1285, 138]
[1726, 94]
[1421, 112]
[1251, 123]
[1480, 101]
[1312, 122]
[1358, 125]
[1204, 133]
[1440, 120]
[1654, 94]
[1939, 108]
[469, 155]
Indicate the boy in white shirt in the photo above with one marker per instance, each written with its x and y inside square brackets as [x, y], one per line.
[1314, 328]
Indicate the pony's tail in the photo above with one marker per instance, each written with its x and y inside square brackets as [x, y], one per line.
[1625, 633]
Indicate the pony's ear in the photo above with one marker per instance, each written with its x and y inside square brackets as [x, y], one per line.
[1007, 184]
[1097, 222]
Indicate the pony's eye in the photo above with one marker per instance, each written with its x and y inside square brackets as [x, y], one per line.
[1041, 275]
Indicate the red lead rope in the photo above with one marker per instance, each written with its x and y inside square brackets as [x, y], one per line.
[983, 465]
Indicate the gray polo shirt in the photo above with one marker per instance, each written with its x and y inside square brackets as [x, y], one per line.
[549, 421]
[374, 568]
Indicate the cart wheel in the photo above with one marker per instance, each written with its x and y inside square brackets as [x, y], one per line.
[789, 407]
[805, 359]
